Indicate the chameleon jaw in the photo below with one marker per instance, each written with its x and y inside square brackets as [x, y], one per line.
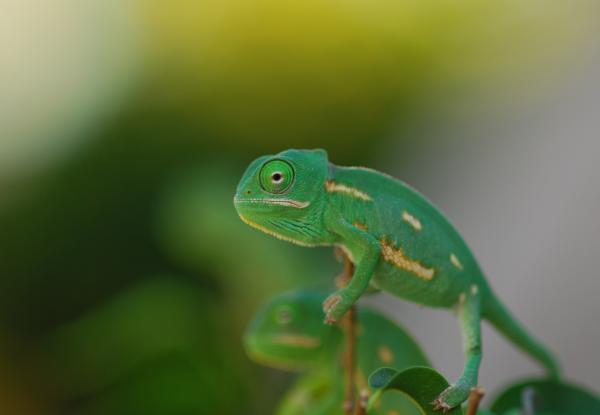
[297, 340]
[272, 201]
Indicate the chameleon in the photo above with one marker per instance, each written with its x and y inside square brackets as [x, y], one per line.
[287, 333]
[398, 241]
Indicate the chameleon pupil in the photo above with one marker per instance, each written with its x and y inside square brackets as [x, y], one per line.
[284, 317]
[276, 176]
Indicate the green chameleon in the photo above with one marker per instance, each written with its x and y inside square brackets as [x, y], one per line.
[398, 241]
[288, 332]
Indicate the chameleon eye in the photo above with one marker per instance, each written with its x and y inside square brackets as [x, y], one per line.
[276, 176]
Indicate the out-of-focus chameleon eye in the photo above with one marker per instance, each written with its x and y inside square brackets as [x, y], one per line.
[284, 315]
[276, 176]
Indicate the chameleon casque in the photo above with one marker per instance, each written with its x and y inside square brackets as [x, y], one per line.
[288, 333]
[396, 239]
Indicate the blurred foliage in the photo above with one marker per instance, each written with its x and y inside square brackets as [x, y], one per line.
[153, 342]
[546, 397]
[269, 74]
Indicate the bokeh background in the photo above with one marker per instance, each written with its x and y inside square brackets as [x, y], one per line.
[126, 279]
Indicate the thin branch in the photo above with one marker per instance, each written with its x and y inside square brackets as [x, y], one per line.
[474, 398]
[363, 400]
[350, 359]
[348, 325]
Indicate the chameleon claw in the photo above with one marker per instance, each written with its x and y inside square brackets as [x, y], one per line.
[451, 397]
[329, 306]
[335, 306]
[331, 302]
[440, 405]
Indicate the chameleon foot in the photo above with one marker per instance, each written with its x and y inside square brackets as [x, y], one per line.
[335, 306]
[440, 405]
[453, 396]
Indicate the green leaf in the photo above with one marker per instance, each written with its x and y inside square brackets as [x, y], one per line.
[549, 397]
[421, 384]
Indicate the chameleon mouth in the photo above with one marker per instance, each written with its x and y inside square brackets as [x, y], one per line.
[262, 351]
[296, 340]
[272, 201]
[270, 360]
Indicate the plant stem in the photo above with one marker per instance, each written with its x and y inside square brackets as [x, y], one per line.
[474, 398]
[363, 400]
[348, 325]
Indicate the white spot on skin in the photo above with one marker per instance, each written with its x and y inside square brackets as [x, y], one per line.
[414, 222]
[474, 289]
[455, 261]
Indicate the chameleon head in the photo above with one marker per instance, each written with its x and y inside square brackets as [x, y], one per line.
[283, 195]
[288, 332]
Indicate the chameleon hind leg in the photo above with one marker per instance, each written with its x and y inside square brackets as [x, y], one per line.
[469, 316]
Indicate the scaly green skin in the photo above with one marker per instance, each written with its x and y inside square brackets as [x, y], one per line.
[288, 333]
[398, 241]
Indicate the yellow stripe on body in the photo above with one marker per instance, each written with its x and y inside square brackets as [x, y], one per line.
[360, 226]
[333, 187]
[297, 340]
[397, 257]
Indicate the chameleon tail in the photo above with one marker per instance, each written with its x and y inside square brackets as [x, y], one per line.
[505, 323]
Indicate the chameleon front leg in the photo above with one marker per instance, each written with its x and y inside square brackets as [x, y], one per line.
[469, 315]
[337, 304]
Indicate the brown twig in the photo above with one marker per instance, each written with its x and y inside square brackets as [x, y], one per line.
[363, 400]
[348, 325]
[350, 361]
[474, 398]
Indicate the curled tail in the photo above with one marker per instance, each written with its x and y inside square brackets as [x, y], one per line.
[505, 323]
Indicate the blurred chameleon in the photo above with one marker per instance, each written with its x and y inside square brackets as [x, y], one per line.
[288, 333]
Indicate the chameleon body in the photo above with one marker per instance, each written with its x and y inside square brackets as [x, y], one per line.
[398, 241]
[288, 332]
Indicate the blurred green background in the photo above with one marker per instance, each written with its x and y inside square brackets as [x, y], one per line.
[126, 279]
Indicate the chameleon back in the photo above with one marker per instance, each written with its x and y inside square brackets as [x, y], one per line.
[424, 258]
